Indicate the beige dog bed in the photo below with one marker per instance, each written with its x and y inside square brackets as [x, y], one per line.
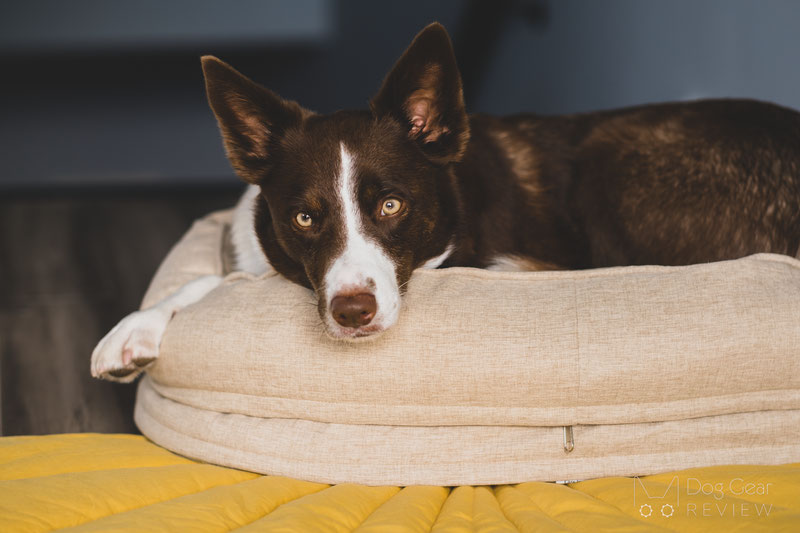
[487, 378]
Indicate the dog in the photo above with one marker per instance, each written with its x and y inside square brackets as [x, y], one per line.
[350, 204]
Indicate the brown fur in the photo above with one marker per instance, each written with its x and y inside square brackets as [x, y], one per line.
[666, 184]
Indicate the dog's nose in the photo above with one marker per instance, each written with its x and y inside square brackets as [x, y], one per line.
[354, 310]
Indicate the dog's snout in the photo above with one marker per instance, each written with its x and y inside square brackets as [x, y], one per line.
[354, 310]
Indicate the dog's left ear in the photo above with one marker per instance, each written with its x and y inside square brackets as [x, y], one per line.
[423, 92]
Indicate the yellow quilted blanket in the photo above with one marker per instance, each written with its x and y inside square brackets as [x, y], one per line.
[91, 482]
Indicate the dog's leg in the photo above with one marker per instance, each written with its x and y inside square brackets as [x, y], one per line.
[133, 343]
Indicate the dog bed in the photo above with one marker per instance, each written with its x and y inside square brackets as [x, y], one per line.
[488, 377]
[124, 483]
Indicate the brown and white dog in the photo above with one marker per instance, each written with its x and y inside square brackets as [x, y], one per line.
[349, 204]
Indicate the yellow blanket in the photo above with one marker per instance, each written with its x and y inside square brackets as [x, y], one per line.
[122, 483]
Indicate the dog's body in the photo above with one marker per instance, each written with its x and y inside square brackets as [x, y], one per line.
[351, 203]
[668, 184]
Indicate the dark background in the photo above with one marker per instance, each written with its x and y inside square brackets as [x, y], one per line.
[108, 150]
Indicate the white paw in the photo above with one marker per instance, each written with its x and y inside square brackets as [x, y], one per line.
[132, 345]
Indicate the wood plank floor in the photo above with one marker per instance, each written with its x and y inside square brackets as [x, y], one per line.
[72, 265]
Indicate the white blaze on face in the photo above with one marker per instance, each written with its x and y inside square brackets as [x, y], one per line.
[363, 266]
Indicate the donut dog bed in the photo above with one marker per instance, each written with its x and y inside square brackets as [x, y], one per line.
[488, 377]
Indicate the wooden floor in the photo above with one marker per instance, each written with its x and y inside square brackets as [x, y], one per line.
[72, 265]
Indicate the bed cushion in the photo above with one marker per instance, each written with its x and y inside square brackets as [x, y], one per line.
[652, 368]
[124, 483]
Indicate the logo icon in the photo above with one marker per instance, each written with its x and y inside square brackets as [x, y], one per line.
[652, 497]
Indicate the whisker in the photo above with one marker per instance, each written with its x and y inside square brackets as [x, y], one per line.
[404, 284]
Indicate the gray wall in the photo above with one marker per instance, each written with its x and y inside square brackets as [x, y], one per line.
[110, 93]
[595, 55]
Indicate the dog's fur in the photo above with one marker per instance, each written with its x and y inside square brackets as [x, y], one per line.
[349, 204]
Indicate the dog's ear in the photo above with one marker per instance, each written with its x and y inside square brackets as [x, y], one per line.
[423, 91]
[250, 117]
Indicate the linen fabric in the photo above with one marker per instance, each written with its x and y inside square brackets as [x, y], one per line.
[654, 368]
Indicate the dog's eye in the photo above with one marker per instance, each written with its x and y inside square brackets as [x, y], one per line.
[391, 206]
[303, 220]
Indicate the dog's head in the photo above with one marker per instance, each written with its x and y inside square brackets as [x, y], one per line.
[352, 202]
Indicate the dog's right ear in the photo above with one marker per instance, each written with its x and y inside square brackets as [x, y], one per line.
[250, 117]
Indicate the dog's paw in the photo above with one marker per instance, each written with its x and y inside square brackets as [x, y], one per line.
[132, 345]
